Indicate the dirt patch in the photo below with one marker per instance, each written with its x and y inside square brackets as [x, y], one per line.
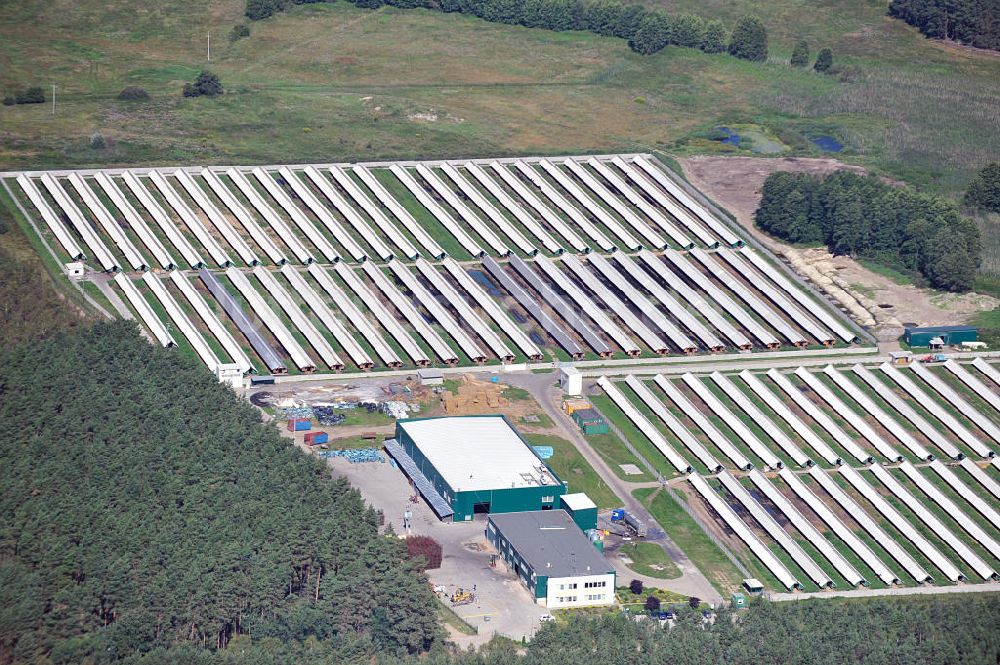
[872, 299]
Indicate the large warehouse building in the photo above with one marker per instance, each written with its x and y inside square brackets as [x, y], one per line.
[553, 558]
[473, 464]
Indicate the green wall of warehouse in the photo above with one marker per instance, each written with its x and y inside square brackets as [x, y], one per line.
[509, 500]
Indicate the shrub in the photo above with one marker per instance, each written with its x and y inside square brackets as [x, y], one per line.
[688, 31]
[97, 141]
[133, 93]
[239, 31]
[824, 60]
[714, 39]
[33, 95]
[984, 190]
[259, 9]
[635, 586]
[749, 40]
[653, 604]
[426, 547]
[653, 33]
[694, 602]
[207, 84]
[800, 55]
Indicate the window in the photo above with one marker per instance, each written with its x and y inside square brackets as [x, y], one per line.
[548, 499]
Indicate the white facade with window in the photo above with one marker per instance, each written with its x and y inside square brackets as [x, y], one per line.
[582, 591]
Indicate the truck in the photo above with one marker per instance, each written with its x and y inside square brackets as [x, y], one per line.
[934, 358]
[635, 524]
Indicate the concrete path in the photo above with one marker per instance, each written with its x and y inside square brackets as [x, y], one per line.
[691, 582]
[985, 587]
[101, 282]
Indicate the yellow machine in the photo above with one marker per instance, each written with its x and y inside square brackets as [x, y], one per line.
[462, 597]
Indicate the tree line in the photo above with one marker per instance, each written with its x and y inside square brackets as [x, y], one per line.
[143, 506]
[862, 216]
[973, 22]
[958, 630]
[647, 30]
[147, 517]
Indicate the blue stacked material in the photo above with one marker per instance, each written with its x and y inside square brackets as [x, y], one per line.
[356, 456]
[326, 415]
[295, 412]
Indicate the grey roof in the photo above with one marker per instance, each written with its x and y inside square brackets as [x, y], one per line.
[551, 543]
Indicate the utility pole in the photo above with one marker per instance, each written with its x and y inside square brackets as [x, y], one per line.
[210, 47]
[53, 99]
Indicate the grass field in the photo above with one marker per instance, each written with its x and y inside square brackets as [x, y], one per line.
[650, 559]
[329, 82]
[572, 468]
[691, 539]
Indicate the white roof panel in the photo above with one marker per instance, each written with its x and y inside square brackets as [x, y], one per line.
[477, 453]
[578, 501]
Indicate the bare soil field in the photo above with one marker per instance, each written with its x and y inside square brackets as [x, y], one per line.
[874, 299]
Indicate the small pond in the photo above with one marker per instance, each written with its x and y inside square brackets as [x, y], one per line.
[729, 136]
[826, 143]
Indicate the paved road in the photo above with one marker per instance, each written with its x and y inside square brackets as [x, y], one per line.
[986, 587]
[691, 582]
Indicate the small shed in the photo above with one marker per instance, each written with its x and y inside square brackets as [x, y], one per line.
[430, 377]
[570, 380]
[74, 268]
[900, 358]
[949, 335]
[230, 374]
[753, 585]
[581, 508]
[739, 600]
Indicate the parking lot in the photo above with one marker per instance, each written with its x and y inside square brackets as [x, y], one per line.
[503, 605]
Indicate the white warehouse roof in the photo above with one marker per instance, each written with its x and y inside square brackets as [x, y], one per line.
[474, 453]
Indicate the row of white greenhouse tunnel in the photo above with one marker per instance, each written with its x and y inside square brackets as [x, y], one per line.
[398, 297]
[927, 437]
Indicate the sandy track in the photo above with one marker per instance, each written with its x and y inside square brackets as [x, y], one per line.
[735, 184]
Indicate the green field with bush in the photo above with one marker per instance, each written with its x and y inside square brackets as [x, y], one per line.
[331, 81]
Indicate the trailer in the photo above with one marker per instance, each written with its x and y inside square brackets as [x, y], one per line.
[635, 525]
